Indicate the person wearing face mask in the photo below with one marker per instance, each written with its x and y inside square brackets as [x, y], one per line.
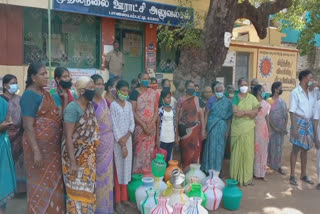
[63, 95]
[230, 92]
[206, 95]
[166, 85]
[261, 134]
[210, 102]
[166, 125]
[111, 91]
[191, 126]
[278, 120]
[154, 86]
[134, 85]
[79, 144]
[145, 110]
[245, 109]
[123, 128]
[254, 82]
[197, 90]
[15, 130]
[218, 126]
[104, 158]
[7, 168]
[302, 101]
[42, 144]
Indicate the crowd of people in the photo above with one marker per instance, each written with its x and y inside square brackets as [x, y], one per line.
[74, 151]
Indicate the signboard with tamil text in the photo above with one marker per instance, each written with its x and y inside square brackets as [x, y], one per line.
[278, 65]
[136, 10]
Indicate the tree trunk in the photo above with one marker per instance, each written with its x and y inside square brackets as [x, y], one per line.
[220, 19]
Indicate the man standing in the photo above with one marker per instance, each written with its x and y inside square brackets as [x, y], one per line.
[115, 61]
[302, 101]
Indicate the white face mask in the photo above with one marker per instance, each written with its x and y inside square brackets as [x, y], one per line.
[13, 88]
[244, 89]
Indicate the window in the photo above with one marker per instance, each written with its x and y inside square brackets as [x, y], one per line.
[242, 65]
[75, 38]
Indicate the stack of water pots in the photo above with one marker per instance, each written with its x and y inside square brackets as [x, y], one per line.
[188, 193]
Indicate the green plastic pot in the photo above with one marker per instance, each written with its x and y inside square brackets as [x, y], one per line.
[158, 166]
[136, 182]
[232, 195]
[196, 191]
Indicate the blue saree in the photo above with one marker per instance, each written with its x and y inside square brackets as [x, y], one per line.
[7, 172]
[213, 151]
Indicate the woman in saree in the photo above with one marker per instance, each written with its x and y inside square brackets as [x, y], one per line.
[278, 119]
[145, 110]
[245, 109]
[218, 127]
[104, 150]
[123, 128]
[15, 131]
[261, 134]
[41, 144]
[79, 145]
[63, 95]
[190, 118]
[7, 173]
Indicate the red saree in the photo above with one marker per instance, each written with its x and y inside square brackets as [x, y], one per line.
[142, 143]
[190, 131]
[44, 186]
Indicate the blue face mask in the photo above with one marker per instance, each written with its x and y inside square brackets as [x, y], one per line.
[145, 83]
[13, 88]
[263, 94]
[219, 95]
[310, 83]
[166, 105]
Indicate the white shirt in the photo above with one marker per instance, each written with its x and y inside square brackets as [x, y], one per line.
[301, 103]
[316, 114]
[167, 129]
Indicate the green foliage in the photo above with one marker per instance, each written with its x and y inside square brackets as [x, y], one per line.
[304, 16]
[187, 36]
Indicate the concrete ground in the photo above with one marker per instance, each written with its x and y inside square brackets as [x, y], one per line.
[275, 196]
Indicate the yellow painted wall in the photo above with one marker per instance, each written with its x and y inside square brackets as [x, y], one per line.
[27, 3]
[273, 38]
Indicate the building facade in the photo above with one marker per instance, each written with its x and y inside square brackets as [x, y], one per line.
[82, 31]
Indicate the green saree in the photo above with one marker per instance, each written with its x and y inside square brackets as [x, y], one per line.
[242, 141]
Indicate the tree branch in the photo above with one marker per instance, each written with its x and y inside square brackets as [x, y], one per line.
[260, 16]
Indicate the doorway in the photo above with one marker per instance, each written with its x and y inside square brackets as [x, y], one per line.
[131, 38]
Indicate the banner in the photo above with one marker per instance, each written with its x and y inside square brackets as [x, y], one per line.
[136, 10]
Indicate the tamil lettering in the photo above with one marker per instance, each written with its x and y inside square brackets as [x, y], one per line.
[136, 10]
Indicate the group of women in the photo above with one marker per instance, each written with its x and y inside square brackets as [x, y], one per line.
[257, 131]
[75, 151]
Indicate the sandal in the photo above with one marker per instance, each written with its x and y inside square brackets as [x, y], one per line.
[307, 180]
[293, 181]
